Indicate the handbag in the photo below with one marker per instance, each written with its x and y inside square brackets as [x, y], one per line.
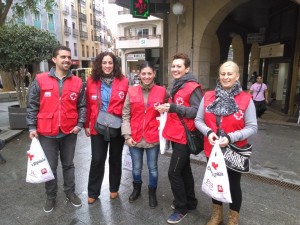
[236, 158]
[127, 160]
[194, 138]
[38, 168]
[107, 124]
[215, 182]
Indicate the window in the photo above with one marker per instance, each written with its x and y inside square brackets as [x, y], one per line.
[92, 35]
[154, 31]
[50, 18]
[87, 51]
[75, 49]
[66, 22]
[83, 55]
[73, 26]
[96, 51]
[142, 32]
[93, 51]
[67, 44]
[91, 18]
[37, 16]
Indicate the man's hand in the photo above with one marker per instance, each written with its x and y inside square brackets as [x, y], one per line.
[75, 130]
[33, 134]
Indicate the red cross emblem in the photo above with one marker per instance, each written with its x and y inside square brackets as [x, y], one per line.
[30, 156]
[73, 96]
[121, 95]
[239, 115]
[179, 101]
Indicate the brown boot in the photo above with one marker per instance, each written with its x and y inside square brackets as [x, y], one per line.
[233, 218]
[217, 215]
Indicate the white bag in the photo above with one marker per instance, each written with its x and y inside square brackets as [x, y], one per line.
[127, 161]
[38, 168]
[215, 183]
[164, 144]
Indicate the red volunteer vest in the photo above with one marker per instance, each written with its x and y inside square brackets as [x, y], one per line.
[229, 123]
[174, 130]
[143, 120]
[117, 98]
[57, 111]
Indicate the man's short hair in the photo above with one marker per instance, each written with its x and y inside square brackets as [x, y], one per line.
[58, 48]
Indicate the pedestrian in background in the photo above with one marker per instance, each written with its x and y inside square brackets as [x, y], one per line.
[140, 129]
[186, 95]
[235, 110]
[106, 90]
[56, 113]
[260, 95]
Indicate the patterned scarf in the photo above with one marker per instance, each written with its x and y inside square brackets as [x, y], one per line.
[178, 83]
[107, 79]
[225, 104]
[147, 87]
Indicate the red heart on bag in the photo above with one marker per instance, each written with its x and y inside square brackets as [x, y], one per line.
[214, 165]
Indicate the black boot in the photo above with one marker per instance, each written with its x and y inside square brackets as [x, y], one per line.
[152, 197]
[136, 191]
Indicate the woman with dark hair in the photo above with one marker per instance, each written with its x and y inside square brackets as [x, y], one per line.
[186, 95]
[140, 129]
[106, 90]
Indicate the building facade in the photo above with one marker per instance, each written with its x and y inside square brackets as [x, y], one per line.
[260, 35]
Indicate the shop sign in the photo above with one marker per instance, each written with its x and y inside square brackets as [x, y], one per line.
[271, 51]
[136, 57]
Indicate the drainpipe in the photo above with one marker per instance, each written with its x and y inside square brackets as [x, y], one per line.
[193, 31]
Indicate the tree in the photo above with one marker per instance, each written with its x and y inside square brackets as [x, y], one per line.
[20, 7]
[20, 46]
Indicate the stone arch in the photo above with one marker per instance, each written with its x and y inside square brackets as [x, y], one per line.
[238, 53]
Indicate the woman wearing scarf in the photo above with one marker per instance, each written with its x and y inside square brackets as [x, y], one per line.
[186, 96]
[235, 110]
[106, 90]
[140, 129]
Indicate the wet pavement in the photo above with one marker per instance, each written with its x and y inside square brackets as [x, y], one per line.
[270, 191]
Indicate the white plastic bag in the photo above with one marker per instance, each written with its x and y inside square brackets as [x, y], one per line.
[164, 144]
[215, 183]
[38, 168]
[127, 161]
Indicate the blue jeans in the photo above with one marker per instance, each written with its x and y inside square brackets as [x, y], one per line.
[137, 164]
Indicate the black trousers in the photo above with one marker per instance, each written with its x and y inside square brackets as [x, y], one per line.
[97, 169]
[260, 107]
[235, 190]
[181, 179]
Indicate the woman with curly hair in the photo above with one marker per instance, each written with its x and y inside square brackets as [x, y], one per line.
[106, 90]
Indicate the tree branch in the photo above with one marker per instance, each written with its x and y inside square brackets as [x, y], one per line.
[5, 11]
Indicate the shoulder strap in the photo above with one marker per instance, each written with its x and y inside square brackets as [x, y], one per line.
[258, 91]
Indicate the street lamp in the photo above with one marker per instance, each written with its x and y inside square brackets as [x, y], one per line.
[178, 10]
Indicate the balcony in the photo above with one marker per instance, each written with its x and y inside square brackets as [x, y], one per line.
[67, 30]
[83, 35]
[95, 10]
[97, 24]
[73, 13]
[75, 33]
[82, 17]
[150, 41]
[96, 38]
[66, 10]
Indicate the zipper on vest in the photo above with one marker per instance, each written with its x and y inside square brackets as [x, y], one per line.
[144, 121]
[59, 109]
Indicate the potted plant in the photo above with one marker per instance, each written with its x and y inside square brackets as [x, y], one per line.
[21, 46]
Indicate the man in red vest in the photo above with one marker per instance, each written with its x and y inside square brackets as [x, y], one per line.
[56, 112]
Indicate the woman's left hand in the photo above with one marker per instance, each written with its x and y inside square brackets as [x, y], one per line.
[163, 107]
[223, 142]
